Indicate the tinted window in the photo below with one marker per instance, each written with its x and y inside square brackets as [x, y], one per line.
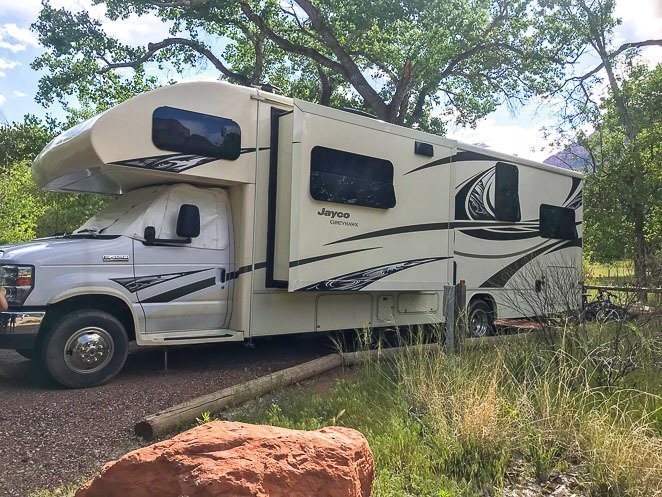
[557, 222]
[193, 133]
[506, 199]
[348, 178]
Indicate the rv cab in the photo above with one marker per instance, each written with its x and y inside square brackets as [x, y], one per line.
[237, 213]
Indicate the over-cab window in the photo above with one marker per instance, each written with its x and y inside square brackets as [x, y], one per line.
[506, 198]
[188, 132]
[347, 178]
[557, 222]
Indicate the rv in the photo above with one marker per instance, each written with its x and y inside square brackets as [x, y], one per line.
[241, 213]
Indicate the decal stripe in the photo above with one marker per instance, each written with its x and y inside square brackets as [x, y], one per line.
[501, 256]
[364, 277]
[181, 291]
[135, 284]
[495, 235]
[413, 228]
[500, 278]
[459, 157]
[328, 256]
[575, 184]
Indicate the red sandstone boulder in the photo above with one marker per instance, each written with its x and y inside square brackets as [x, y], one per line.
[236, 460]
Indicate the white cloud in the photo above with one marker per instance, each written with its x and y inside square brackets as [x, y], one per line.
[2, 99]
[2, 74]
[642, 20]
[514, 139]
[19, 94]
[8, 64]
[22, 35]
[12, 47]
[134, 30]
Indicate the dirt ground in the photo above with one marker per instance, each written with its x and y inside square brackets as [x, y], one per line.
[50, 436]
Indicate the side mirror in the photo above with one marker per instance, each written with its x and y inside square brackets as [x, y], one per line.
[150, 234]
[188, 221]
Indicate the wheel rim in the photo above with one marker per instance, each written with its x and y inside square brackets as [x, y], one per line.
[88, 350]
[479, 323]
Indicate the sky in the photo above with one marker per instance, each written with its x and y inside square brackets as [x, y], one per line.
[517, 132]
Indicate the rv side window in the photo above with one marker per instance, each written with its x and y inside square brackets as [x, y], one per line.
[187, 132]
[506, 198]
[348, 178]
[557, 222]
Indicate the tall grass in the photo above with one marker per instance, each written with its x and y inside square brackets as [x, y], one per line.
[475, 423]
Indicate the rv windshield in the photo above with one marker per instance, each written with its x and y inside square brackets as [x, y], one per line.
[122, 215]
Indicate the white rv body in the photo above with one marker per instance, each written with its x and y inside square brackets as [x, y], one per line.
[312, 244]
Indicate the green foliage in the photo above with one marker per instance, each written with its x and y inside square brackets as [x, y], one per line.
[626, 177]
[397, 60]
[20, 205]
[24, 140]
[472, 424]
[27, 212]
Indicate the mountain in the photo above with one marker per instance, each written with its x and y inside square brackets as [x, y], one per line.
[574, 157]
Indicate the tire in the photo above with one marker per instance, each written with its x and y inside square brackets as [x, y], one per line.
[481, 319]
[85, 348]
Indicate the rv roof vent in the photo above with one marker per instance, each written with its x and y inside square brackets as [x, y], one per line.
[358, 112]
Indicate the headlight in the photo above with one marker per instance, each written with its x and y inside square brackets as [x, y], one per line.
[17, 282]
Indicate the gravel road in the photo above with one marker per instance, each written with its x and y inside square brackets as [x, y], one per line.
[51, 436]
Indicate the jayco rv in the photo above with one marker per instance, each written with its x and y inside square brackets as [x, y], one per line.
[241, 213]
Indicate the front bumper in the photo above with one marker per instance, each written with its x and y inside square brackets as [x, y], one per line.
[19, 329]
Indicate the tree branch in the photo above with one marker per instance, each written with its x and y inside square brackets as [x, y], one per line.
[619, 50]
[350, 70]
[152, 48]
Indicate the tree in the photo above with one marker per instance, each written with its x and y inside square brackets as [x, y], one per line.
[593, 22]
[395, 59]
[27, 211]
[628, 181]
[24, 140]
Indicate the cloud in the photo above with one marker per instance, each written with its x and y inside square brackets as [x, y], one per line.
[12, 47]
[514, 139]
[2, 74]
[22, 35]
[8, 64]
[2, 99]
[19, 94]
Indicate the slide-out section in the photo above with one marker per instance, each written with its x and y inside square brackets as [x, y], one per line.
[344, 215]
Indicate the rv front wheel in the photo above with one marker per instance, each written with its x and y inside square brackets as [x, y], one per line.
[85, 348]
[481, 319]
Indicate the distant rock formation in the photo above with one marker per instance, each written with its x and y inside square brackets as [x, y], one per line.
[241, 460]
[574, 157]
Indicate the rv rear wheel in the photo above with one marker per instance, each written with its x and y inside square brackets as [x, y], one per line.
[481, 319]
[85, 348]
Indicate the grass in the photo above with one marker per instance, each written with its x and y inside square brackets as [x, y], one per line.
[479, 422]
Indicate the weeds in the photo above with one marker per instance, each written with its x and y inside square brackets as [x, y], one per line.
[458, 425]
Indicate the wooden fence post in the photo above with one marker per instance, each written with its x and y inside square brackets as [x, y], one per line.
[449, 309]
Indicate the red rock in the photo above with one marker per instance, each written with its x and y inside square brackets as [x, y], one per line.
[241, 460]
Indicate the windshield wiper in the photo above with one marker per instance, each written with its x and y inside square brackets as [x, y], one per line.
[91, 231]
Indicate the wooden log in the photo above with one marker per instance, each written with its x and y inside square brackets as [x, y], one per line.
[358, 358]
[165, 421]
[484, 342]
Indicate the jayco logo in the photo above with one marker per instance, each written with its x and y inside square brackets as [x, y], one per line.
[333, 214]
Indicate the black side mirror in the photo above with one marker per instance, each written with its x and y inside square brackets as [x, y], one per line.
[150, 234]
[188, 221]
